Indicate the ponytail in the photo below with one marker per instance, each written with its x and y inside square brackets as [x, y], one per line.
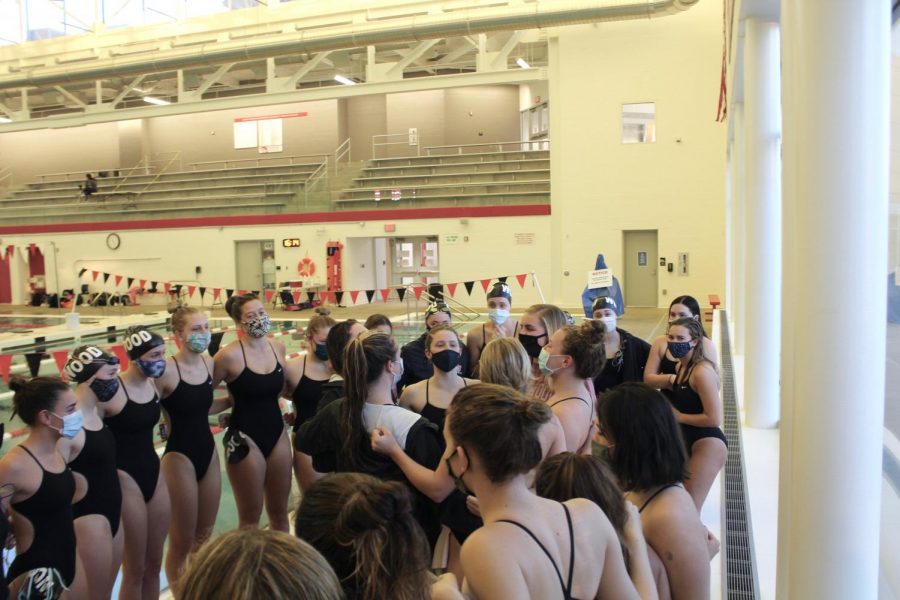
[364, 360]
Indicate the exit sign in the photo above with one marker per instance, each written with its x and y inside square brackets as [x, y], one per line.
[291, 243]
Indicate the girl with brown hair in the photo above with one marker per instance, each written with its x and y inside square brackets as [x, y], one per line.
[257, 449]
[366, 530]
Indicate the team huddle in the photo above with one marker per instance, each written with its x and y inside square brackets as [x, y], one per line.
[527, 458]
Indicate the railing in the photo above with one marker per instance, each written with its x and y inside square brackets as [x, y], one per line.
[384, 139]
[166, 159]
[521, 145]
[44, 178]
[142, 164]
[256, 162]
[341, 152]
[316, 178]
[176, 157]
[6, 177]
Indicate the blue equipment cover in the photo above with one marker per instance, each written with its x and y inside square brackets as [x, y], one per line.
[614, 291]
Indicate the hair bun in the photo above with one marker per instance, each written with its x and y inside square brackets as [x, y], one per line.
[534, 412]
[373, 507]
[16, 382]
[323, 311]
[595, 331]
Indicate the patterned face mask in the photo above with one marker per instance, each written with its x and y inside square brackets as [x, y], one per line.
[105, 389]
[258, 327]
[198, 342]
[152, 368]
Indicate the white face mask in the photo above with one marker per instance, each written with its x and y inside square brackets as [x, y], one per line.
[398, 376]
[609, 323]
[498, 315]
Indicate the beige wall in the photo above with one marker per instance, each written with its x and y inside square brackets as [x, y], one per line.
[71, 150]
[425, 110]
[209, 136]
[676, 185]
[366, 116]
[490, 251]
[482, 114]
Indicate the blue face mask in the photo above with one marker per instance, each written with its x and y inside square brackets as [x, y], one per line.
[152, 368]
[105, 389]
[679, 349]
[198, 342]
[71, 424]
[398, 376]
[321, 352]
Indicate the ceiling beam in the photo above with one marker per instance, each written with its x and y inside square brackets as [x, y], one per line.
[411, 57]
[70, 95]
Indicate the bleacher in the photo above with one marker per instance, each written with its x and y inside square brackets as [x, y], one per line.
[458, 179]
[200, 191]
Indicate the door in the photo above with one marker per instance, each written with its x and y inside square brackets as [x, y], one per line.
[640, 287]
[414, 260]
[249, 265]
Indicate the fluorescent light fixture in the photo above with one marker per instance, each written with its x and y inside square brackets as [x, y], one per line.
[5, 120]
[344, 80]
[157, 101]
[521, 62]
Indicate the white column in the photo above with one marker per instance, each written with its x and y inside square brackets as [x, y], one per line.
[841, 91]
[738, 219]
[762, 292]
[789, 158]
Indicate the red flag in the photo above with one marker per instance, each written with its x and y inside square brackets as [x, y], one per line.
[167, 286]
[242, 292]
[521, 279]
[118, 280]
[216, 292]
[451, 287]
[417, 290]
[269, 294]
[61, 356]
[10, 251]
[323, 296]
[94, 274]
[5, 364]
[119, 351]
[143, 283]
[191, 290]
[485, 283]
[296, 296]
[354, 294]
[385, 294]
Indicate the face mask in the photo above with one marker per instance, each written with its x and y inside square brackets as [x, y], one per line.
[198, 342]
[609, 323]
[498, 315]
[679, 349]
[152, 368]
[532, 347]
[446, 360]
[71, 424]
[321, 352]
[543, 359]
[457, 479]
[398, 376]
[105, 389]
[258, 327]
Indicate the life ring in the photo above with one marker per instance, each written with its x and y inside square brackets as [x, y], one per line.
[306, 267]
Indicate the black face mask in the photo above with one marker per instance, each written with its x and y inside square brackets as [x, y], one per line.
[532, 347]
[457, 479]
[446, 360]
[105, 389]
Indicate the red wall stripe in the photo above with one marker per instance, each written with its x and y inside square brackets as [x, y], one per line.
[454, 212]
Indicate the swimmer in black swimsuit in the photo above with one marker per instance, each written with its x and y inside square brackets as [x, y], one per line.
[649, 462]
[305, 377]
[190, 464]
[493, 443]
[661, 365]
[92, 456]
[431, 397]
[41, 489]
[698, 407]
[132, 414]
[571, 359]
[256, 446]
[499, 303]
